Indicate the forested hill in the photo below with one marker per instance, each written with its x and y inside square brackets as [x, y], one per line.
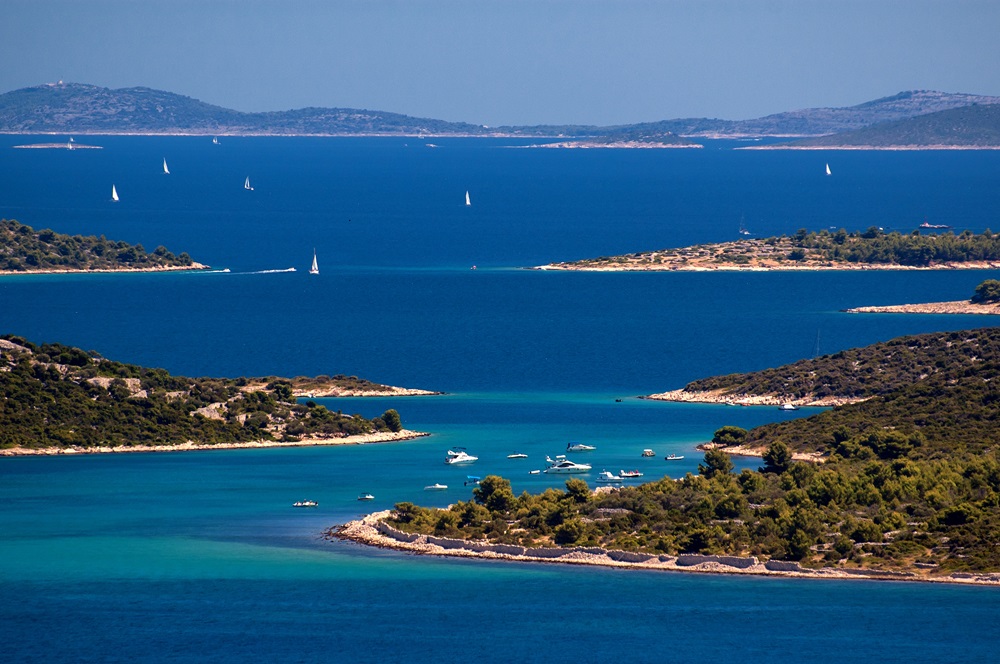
[975, 126]
[23, 249]
[72, 108]
[879, 369]
[57, 396]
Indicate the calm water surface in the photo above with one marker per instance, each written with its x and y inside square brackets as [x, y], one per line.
[199, 556]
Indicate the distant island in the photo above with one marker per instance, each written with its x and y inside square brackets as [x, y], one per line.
[24, 250]
[975, 127]
[872, 249]
[904, 485]
[73, 108]
[60, 400]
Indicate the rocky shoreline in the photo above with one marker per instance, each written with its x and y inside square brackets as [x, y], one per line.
[158, 268]
[956, 307]
[722, 397]
[360, 439]
[371, 530]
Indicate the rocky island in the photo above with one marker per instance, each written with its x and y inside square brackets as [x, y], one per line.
[24, 250]
[62, 400]
[902, 483]
[872, 249]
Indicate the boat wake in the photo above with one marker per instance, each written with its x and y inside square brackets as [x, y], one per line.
[287, 269]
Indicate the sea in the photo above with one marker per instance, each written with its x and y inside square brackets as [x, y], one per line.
[200, 556]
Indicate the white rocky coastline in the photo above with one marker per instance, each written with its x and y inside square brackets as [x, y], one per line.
[371, 530]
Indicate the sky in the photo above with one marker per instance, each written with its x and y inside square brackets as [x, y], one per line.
[498, 62]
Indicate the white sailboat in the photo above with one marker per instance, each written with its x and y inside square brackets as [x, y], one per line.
[166, 171]
[315, 267]
[468, 201]
[246, 185]
[114, 194]
[215, 140]
[828, 169]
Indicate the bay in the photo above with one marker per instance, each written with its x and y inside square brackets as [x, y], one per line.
[180, 556]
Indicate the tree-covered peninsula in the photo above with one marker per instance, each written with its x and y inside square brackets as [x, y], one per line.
[822, 250]
[23, 249]
[58, 397]
[854, 374]
[906, 482]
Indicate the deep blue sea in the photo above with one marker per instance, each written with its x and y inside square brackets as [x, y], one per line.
[200, 557]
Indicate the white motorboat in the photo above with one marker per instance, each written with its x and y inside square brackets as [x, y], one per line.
[579, 447]
[436, 487]
[565, 466]
[517, 455]
[648, 453]
[459, 457]
[629, 474]
[607, 477]
[366, 496]
[788, 406]
[305, 503]
[673, 457]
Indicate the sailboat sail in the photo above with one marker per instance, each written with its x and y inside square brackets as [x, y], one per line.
[166, 171]
[215, 140]
[468, 201]
[246, 185]
[828, 169]
[315, 266]
[114, 193]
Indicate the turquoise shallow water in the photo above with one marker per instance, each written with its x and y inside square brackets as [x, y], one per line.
[199, 556]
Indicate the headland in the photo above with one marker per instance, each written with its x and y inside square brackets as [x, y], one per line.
[372, 530]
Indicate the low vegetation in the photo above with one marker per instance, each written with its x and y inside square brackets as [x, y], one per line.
[23, 249]
[907, 480]
[60, 396]
[861, 373]
[824, 249]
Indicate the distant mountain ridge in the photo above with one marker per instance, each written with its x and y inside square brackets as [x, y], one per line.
[63, 108]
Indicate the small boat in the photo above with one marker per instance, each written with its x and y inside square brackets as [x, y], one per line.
[246, 185]
[215, 140]
[460, 456]
[788, 406]
[629, 474]
[468, 201]
[472, 479]
[436, 487]
[366, 496]
[607, 477]
[534, 472]
[648, 453]
[305, 503]
[929, 225]
[166, 171]
[579, 447]
[618, 400]
[517, 455]
[673, 457]
[562, 465]
[315, 267]
[114, 194]
[828, 169]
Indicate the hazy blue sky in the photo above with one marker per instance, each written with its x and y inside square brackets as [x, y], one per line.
[510, 61]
